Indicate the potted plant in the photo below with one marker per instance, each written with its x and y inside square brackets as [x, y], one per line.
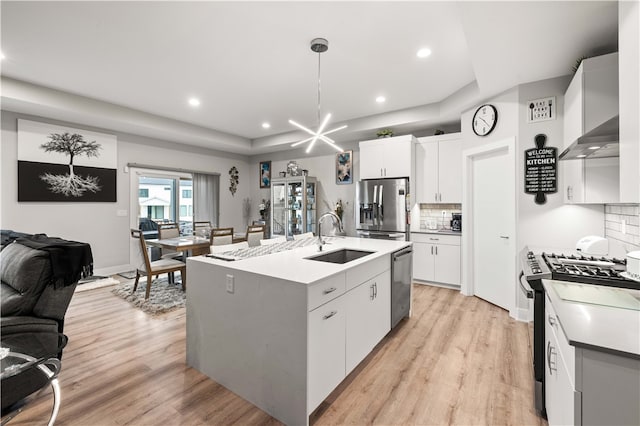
[384, 133]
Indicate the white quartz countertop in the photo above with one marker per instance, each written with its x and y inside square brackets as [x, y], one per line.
[594, 326]
[292, 265]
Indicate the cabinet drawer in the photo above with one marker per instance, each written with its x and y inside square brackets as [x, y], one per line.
[453, 240]
[328, 289]
[361, 273]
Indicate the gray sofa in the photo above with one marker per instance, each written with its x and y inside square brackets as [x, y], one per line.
[30, 302]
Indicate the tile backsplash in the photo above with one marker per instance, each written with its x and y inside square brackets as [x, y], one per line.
[622, 225]
[438, 215]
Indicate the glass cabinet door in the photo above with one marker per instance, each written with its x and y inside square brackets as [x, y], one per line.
[311, 208]
[278, 209]
[296, 201]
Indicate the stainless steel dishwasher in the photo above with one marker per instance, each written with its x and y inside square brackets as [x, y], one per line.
[401, 274]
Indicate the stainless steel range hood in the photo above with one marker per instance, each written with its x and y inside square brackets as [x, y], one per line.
[601, 142]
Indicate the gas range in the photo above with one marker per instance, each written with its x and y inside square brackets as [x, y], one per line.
[575, 268]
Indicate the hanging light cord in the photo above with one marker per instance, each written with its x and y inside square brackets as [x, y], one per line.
[319, 53]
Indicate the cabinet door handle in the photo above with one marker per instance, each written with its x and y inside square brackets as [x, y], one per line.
[375, 290]
[551, 351]
[436, 250]
[431, 249]
[439, 196]
[329, 315]
[504, 237]
[552, 320]
[329, 290]
[371, 292]
[381, 172]
[435, 196]
[434, 239]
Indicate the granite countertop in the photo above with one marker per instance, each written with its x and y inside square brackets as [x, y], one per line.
[602, 324]
[437, 231]
[293, 265]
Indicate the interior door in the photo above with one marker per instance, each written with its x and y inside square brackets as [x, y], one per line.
[493, 209]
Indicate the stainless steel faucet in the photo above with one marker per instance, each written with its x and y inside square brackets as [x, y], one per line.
[337, 219]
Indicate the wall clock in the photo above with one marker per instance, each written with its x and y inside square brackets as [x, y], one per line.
[484, 120]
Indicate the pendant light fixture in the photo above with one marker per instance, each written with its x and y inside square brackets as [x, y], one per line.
[319, 45]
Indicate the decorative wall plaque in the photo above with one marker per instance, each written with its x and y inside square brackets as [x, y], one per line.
[541, 170]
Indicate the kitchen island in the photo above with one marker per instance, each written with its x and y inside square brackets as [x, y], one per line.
[282, 330]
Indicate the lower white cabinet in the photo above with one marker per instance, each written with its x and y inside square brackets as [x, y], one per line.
[326, 367]
[368, 317]
[559, 380]
[344, 328]
[585, 385]
[436, 258]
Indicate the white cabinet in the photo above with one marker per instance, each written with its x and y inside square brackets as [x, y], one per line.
[439, 169]
[387, 157]
[590, 100]
[368, 317]
[436, 258]
[326, 367]
[586, 384]
[629, 69]
[558, 373]
[349, 314]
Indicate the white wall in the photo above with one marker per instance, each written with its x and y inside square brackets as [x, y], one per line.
[97, 223]
[553, 224]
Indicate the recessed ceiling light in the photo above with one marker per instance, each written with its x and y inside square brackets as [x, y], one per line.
[381, 99]
[266, 125]
[594, 147]
[194, 102]
[424, 52]
[580, 156]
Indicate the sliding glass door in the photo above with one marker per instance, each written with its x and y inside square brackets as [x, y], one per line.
[165, 199]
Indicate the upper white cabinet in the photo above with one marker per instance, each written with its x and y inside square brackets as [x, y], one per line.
[590, 100]
[387, 157]
[629, 60]
[439, 169]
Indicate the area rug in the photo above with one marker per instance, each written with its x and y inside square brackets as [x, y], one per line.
[164, 297]
[91, 285]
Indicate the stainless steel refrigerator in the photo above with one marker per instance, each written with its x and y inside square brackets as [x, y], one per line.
[382, 209]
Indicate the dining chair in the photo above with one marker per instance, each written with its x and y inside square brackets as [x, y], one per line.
[149, 269]
[255, 233]
[229, 247]
[303, 236]
[201, 226]
[221, 236]
[169, 230]
[275, 240]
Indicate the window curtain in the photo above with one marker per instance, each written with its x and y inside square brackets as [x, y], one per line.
[206, 197]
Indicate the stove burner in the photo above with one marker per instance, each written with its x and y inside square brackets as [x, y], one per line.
[588, 269]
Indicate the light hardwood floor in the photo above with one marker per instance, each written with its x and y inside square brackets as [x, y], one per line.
[458, 360]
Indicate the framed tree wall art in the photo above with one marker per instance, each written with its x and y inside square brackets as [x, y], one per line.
[59, 163]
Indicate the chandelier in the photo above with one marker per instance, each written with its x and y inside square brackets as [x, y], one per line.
[318, 45]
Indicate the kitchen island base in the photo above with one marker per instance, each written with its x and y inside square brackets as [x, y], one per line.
[285, 345]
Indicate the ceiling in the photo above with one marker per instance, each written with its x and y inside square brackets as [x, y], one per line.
[138, 63]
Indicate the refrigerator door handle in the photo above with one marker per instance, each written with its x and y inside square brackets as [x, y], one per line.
[381, 205]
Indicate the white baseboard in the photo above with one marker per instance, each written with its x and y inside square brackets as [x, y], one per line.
[524, 315]
[435, 284]
[112, 270]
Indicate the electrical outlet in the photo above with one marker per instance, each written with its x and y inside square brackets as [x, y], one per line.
[230, 284]
[541, 109]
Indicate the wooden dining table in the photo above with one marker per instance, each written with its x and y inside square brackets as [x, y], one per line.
[189, 245]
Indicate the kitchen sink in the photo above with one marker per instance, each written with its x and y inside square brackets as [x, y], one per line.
[341, 256]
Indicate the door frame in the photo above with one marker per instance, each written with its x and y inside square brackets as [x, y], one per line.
[469, 155]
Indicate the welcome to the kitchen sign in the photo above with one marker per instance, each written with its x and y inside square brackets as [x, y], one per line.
[541, 170]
